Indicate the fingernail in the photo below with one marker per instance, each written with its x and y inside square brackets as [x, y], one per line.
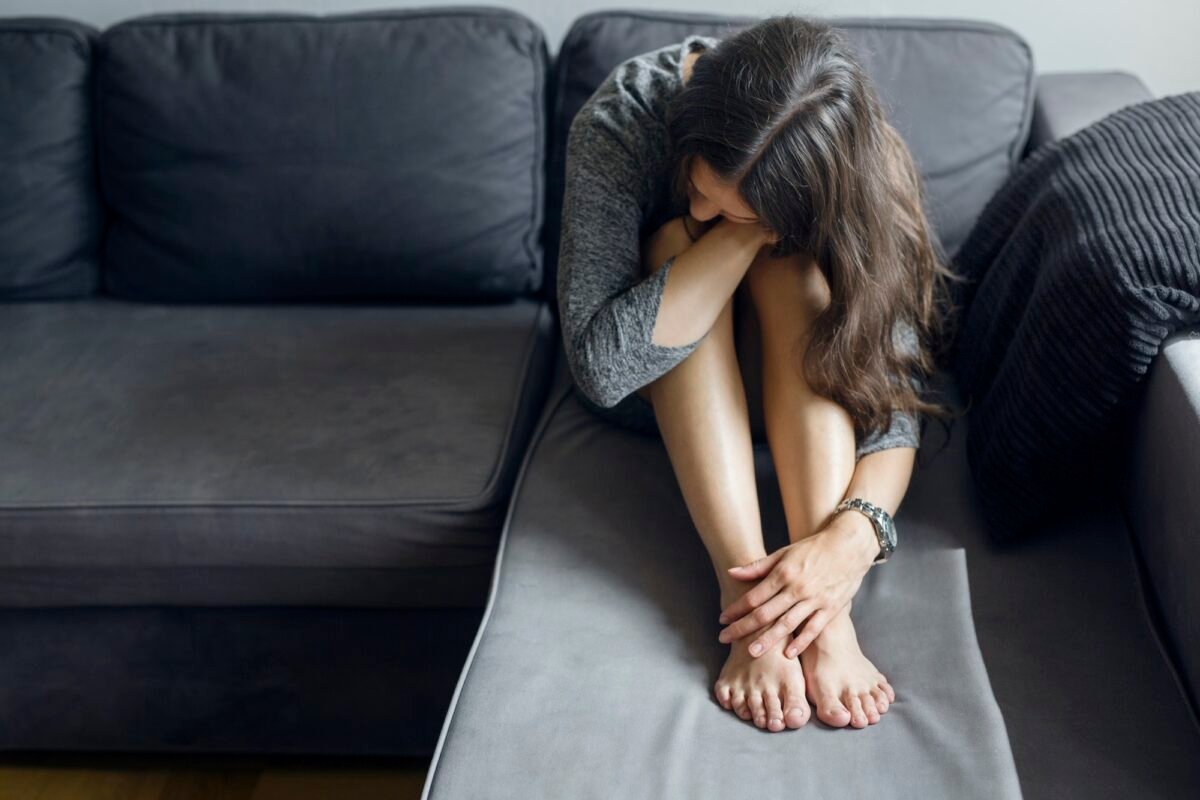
[722, 618]
[755, 649]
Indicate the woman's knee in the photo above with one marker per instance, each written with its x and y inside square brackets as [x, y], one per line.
[788, 292]
[668, 241]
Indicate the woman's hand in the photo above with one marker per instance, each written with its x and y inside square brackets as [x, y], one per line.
[812, 579]
[769, 237]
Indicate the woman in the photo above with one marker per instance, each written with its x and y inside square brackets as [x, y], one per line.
[759, 173]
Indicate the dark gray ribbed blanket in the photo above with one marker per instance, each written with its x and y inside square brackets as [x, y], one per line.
[1080, 266]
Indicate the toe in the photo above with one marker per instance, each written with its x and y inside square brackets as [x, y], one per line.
[757, 712]
[831, 711]
[721, 690]
[887, 689]
[795, 706]
[881, 700]
[739, 704]
[774, 710]
[858, 717]
[868, 705]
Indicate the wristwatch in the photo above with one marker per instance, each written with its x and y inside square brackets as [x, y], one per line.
[885, 528]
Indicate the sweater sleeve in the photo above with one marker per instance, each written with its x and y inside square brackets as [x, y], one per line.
[608, 307]
[905, 427]
[904, 431]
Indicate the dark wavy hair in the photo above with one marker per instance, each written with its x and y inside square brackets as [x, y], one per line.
[785, 112]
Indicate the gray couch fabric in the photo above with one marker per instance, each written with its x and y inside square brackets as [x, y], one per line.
[1092, 701]
[284, 156]
[1163, 501]
[598, 652]
[50, 214]
[289, 454]
[966, 126]
[591, 673]
[1066, 102]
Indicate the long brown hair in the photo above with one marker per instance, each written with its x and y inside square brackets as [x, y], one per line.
[785, 112]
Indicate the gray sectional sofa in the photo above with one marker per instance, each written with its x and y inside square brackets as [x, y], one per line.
[292, 460]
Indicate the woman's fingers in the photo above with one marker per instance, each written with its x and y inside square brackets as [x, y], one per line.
[811, 630]
[764, 614]
[756, 569]
[787, 623]
[754, 598]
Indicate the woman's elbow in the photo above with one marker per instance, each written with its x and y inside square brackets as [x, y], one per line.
[600, 392]
[591, 381]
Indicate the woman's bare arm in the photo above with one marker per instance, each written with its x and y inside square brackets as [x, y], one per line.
[703, 277]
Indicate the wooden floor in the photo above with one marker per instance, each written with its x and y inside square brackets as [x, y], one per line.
[166, 777]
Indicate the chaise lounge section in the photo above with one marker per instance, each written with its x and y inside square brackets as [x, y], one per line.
[1035, 669]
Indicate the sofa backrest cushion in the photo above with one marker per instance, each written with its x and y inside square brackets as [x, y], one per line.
[959, 92]
[273, 157]
[51, 220]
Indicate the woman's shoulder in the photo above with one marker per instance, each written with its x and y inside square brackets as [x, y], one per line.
[633, 98]
[620, 132]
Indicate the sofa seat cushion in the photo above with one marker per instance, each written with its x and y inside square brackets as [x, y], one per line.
[220, 455]
[598, 650]
[1093, 703]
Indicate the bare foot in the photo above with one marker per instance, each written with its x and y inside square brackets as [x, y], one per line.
[768, 690]
[843, 685]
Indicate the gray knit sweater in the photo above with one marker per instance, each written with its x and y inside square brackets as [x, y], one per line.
[617, 192]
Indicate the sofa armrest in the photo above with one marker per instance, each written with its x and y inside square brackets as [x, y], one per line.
[1160, 497]
[1064, 102]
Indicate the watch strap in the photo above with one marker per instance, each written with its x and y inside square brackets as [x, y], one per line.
[880, 521]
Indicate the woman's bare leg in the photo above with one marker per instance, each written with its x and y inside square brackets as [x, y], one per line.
[813, 448]
[702, 413]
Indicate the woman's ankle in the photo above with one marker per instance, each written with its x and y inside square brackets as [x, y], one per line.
[732, 589]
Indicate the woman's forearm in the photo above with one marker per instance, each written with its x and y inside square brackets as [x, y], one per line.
[882, 478]
[702, 279]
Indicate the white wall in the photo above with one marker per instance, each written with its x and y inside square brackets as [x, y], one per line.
[1155, 39]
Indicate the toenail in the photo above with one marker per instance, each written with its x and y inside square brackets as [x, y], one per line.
[755, 648]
